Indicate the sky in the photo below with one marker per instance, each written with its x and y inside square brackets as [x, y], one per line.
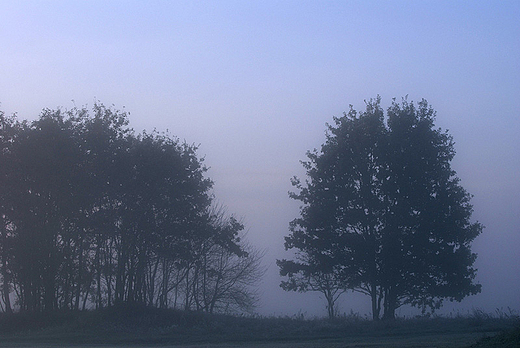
[254, 83]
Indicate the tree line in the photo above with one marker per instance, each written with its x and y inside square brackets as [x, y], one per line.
[93, 215]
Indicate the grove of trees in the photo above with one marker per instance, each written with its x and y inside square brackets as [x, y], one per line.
[383, 213]
[94, 215]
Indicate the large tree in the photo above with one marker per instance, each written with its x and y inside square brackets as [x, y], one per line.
[383, 211]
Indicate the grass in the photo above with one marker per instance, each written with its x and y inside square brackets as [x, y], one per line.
[147, 327]
[508, 339]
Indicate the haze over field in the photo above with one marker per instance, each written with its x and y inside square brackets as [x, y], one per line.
[254, 84]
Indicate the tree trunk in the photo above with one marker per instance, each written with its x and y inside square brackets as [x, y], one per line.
[5, 290]
[120, 277]
[330, 303]
[389, 304]
[376, 307]
[80, 274]
[5, 277]
[97, 267]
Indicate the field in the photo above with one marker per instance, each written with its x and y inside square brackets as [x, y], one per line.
[462, 340]
[142, 327]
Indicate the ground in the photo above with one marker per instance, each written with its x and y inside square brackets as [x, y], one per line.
[144, 327]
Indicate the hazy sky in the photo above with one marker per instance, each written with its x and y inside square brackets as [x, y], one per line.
[254, 82]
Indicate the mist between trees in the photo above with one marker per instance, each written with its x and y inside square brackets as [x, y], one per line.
[94, 215]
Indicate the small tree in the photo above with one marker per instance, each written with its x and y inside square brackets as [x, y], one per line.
[227, 269]
[384, 206]
[307, 275]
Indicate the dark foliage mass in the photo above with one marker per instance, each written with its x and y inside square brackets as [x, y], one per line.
[383, 213]
[94, 215]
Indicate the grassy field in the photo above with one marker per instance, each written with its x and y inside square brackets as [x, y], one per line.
[144, 327]
[433, 341]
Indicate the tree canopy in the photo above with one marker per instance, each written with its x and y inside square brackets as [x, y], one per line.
[93, 214]
[383, 212]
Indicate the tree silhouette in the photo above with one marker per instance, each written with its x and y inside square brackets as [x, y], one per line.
[383, 209]
[312, 275]
[93, 214]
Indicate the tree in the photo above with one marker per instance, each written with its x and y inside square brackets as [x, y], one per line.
[225, 269]
[93, 214]
[308, 275]
[43, 162]
[8, 131]
[383, 205]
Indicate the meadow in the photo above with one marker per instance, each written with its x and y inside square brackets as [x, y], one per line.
[145, 327]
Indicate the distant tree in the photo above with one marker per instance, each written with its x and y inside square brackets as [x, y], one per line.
[382, 203]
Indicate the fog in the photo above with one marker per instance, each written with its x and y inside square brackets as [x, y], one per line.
[254, 83]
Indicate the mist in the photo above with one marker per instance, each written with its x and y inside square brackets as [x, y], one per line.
[254, 84]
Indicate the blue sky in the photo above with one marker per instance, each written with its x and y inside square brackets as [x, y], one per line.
[254, 82]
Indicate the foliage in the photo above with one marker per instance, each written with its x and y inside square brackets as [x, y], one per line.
[383, 212]
[93, 215]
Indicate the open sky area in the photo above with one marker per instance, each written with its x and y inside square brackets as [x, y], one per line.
[255, 82]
